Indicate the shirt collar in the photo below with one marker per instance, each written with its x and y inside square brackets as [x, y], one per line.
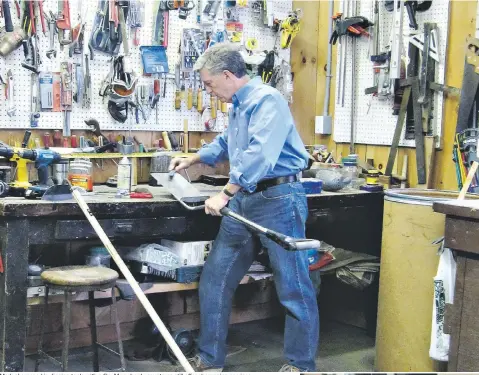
[244, 91]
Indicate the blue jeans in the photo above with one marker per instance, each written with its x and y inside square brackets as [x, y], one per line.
[282, 208]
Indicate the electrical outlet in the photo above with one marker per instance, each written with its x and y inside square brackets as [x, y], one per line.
[323, 125]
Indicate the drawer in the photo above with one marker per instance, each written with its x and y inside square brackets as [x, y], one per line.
[148, 227]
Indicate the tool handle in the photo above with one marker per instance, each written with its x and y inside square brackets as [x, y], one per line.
[289, 243]
[213, 106]
[7, 16]
[173, 140]
[42, 174]
[26, 138]
[412, 14]
[199, 104]
[190, 98]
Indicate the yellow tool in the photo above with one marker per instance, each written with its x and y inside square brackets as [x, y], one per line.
[166, 140]
[20, 183]
[189, 102]
[213, 106]
[290, 27]
[224, 107]
[177, 99]
[195, 93]
[199, 102]
[218, 104]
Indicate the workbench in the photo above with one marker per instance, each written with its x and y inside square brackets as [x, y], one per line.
[24, 223]
[461, 322]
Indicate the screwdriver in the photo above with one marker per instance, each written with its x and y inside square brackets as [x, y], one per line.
[195, 93]
[224, 107]
[166, 140]
[213, 106]
[46, 140]
[57, 138]
[190, 96]
[199, 104]
[178, 99]
[156, 91]
[73, 141]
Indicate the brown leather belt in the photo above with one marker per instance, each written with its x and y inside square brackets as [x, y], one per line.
[265, 184]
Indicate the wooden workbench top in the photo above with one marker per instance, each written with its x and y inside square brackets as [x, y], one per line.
[102, 202]
[468, 208]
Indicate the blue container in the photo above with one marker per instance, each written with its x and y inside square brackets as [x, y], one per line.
[312, 185]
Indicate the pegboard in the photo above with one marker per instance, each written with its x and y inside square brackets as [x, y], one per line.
[169, 119]
[373, 118]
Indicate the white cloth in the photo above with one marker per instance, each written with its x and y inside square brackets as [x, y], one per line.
[444, 283]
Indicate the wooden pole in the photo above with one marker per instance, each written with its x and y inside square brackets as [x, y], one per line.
[133, 283]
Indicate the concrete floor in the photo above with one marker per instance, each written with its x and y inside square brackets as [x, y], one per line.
[343, 348]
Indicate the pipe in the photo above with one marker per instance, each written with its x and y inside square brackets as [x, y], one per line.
[329, 62]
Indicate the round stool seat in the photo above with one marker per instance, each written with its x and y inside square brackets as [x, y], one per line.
[72, 276]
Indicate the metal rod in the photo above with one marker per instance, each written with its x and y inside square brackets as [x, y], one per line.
[328, 71]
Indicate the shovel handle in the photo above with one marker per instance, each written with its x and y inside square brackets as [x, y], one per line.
[289, 243]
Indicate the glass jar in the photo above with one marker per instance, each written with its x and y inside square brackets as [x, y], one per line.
[80, 174]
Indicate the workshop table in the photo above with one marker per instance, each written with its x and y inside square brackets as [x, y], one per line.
[34, 222]
[461, 321]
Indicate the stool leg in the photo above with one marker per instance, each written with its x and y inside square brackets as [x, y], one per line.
[66, 328]
[118, 332]
[42, 328]
[94, 339]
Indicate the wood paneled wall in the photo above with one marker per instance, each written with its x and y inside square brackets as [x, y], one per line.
[309, 56]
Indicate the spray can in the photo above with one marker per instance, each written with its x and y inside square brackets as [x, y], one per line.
[124, 178]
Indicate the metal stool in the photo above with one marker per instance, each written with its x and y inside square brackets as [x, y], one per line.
[79, 279]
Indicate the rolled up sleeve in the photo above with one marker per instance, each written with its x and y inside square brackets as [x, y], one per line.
[216, 151]
[268, 134]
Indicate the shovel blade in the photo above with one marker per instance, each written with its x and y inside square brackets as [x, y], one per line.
[58, 193]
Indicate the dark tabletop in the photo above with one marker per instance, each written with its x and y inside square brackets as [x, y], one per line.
[102, 201]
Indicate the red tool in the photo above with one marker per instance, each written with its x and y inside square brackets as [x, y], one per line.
[46, 140]
[32, 17]
[1, 263]
[42, 17]
[73, 141]
[63, 22]
[57, 138]
[17, 6]
[141, 195]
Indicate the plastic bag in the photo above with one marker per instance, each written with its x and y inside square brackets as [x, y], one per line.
[444, 282]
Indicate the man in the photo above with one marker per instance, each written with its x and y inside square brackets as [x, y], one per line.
[266, 155]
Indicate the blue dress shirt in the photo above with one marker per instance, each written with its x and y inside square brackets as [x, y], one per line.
[261, 140]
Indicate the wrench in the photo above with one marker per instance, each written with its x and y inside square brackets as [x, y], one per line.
[52, 29]
[87, 86]
[63, 23]
[11, 108]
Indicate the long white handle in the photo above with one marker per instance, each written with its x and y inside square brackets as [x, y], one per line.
[131, 280]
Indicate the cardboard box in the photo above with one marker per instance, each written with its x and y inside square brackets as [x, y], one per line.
[190, 253]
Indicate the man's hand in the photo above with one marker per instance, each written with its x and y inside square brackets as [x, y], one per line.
[178, 164]
[214, 205]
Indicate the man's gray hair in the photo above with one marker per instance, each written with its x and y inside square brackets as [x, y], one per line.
[221, 57]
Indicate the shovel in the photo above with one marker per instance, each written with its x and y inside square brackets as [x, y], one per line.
[192, 199]
[60, 193]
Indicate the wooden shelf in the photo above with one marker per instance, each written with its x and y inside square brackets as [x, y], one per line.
[160, 287]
